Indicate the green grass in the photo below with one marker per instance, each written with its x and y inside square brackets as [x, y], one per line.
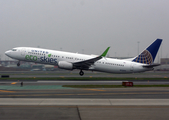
[111, 86]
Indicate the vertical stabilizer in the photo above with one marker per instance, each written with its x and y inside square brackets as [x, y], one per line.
[148, 55]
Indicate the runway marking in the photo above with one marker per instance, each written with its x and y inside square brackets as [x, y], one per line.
[6, 91]
[95, 89]
[13, 83]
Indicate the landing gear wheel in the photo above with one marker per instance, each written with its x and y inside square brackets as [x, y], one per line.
[81, 73]
[18, 64]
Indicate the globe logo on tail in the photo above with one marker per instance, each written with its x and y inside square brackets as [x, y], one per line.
[145, 57]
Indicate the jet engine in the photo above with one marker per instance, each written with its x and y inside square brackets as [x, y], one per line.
[65, 65]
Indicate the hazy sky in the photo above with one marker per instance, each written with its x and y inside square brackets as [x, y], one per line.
[88, 26]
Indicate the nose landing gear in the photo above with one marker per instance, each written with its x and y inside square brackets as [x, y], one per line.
[81, 73]
[18, 64]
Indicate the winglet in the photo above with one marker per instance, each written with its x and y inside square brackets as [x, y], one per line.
[105, 52]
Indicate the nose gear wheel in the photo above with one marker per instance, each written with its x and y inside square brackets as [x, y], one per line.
[81, 73]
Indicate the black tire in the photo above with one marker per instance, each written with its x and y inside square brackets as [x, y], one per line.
[81, 73]
[18, 64]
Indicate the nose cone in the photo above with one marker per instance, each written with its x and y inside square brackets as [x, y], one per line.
[7, 53]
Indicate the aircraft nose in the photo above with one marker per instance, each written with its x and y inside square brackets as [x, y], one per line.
[7, 53]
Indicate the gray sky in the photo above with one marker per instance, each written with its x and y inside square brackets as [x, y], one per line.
[84, 25]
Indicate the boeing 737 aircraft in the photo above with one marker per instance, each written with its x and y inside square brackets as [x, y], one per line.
[70, 61]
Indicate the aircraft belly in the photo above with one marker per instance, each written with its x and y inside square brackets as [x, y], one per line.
[111, 69]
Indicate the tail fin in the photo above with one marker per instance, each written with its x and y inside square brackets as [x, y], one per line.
[149, 54]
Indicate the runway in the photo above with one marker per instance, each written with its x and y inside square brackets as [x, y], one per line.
[92, 93]
[84, 82]
[85, 104]
[47, 99]
[75, 73]
[68, 101]
[28, 112]
[104, 82]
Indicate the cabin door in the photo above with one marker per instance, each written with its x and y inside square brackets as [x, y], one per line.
[23, 51]
[132, 67]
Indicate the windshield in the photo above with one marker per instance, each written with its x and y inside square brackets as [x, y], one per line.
[14, 49]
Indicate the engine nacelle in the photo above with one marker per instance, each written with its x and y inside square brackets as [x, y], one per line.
[65, 65]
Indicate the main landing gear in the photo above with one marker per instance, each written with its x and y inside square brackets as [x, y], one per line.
[81, 73]
[18, 64]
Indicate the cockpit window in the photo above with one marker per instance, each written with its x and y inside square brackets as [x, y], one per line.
[14, 49]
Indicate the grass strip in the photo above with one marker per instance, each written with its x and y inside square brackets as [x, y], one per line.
[111, 86]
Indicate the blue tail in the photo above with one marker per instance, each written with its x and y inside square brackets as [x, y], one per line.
[148, 56]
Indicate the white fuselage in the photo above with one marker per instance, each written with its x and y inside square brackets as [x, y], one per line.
[52, 57]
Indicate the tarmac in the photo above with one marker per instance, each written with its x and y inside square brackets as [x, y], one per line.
[83, 109]
[75, 73]
[29, 112]
[93, 102]
[85, 104]
[37, 100]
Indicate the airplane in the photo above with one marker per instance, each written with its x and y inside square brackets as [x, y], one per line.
[69, 61]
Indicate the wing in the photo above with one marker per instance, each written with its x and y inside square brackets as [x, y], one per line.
[87, 63]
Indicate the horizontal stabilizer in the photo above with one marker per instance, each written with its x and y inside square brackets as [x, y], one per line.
[151, 66]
